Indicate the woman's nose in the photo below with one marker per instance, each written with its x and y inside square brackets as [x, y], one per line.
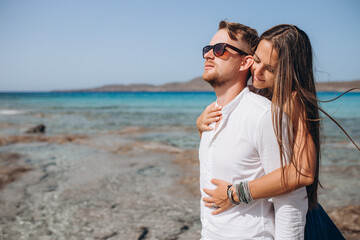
[258, 69]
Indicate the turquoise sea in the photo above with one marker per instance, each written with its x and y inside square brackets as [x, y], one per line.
[90, 113]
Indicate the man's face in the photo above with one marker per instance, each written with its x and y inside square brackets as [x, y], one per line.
[220, 70]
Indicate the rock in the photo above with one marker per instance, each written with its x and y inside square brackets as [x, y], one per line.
[37, 129]
[144, 232]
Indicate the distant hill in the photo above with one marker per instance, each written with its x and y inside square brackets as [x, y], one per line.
[337, 86]
[199, 85]
[195, 85]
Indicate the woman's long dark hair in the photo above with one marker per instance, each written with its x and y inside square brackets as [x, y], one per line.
[294, 93]
[294, 89]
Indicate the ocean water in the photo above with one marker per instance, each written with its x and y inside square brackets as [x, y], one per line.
[171, 115]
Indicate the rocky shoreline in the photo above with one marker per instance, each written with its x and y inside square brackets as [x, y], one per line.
[107, 186]
[113, 186]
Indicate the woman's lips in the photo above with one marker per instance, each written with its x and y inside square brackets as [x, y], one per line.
[260, 80]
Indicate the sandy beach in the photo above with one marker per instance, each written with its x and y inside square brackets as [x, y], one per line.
[112, 185]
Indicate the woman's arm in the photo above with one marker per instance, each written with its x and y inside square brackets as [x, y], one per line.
[297, 176]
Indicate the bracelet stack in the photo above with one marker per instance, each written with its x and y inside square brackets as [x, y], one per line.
[243, 192]
[229, 193]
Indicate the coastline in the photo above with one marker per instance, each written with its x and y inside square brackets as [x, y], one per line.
[199, 85]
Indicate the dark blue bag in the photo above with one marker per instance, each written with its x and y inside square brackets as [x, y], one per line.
[320, 226]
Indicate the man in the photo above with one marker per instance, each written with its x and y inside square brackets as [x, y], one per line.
[242, 146]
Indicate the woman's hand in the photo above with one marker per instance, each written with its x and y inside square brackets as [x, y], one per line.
[211, 114]
[218, 196]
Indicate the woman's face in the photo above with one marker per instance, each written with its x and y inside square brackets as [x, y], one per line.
[265, 63]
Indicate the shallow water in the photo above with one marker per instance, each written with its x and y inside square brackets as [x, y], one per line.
[170, 116]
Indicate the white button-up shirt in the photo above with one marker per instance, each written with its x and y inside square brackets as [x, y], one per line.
[244, 148]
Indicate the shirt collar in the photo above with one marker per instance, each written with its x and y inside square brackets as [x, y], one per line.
[228, 108]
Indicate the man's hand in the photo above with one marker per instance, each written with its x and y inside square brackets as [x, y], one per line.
[218, 196]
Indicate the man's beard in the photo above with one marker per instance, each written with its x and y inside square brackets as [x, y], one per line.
[213, 80]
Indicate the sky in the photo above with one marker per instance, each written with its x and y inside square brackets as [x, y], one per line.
[58, 45]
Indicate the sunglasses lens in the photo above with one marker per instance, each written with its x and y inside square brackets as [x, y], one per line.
[205, 50]
[219, 49]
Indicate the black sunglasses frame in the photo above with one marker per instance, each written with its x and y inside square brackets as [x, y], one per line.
[223, 46]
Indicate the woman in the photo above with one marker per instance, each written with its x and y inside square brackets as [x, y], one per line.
[283, 72]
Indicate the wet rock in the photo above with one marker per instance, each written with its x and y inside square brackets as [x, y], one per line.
[144, 232]
[184, 228]
[151, 171]
[37, 129]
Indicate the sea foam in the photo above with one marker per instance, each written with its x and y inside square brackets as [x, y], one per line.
[11, 112]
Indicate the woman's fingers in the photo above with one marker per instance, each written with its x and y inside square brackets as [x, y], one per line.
[217, 211]
[210, 205]
[213, 109]
[214, 114]
[211, 120]
[211, 114]
[205, 128]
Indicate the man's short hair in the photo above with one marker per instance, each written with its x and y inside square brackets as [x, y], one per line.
[239, 32]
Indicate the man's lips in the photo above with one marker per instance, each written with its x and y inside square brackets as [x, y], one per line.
[208, 66]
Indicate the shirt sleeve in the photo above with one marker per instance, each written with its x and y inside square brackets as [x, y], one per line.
[290, 208]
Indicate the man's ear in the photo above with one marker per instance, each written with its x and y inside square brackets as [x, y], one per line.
[246, 63]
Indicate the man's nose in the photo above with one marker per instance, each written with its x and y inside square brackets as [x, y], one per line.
[209, 54]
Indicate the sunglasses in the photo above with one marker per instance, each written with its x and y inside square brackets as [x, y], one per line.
[219, 49]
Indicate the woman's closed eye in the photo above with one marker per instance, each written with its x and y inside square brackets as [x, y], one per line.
[271, 69]
[256, 59]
